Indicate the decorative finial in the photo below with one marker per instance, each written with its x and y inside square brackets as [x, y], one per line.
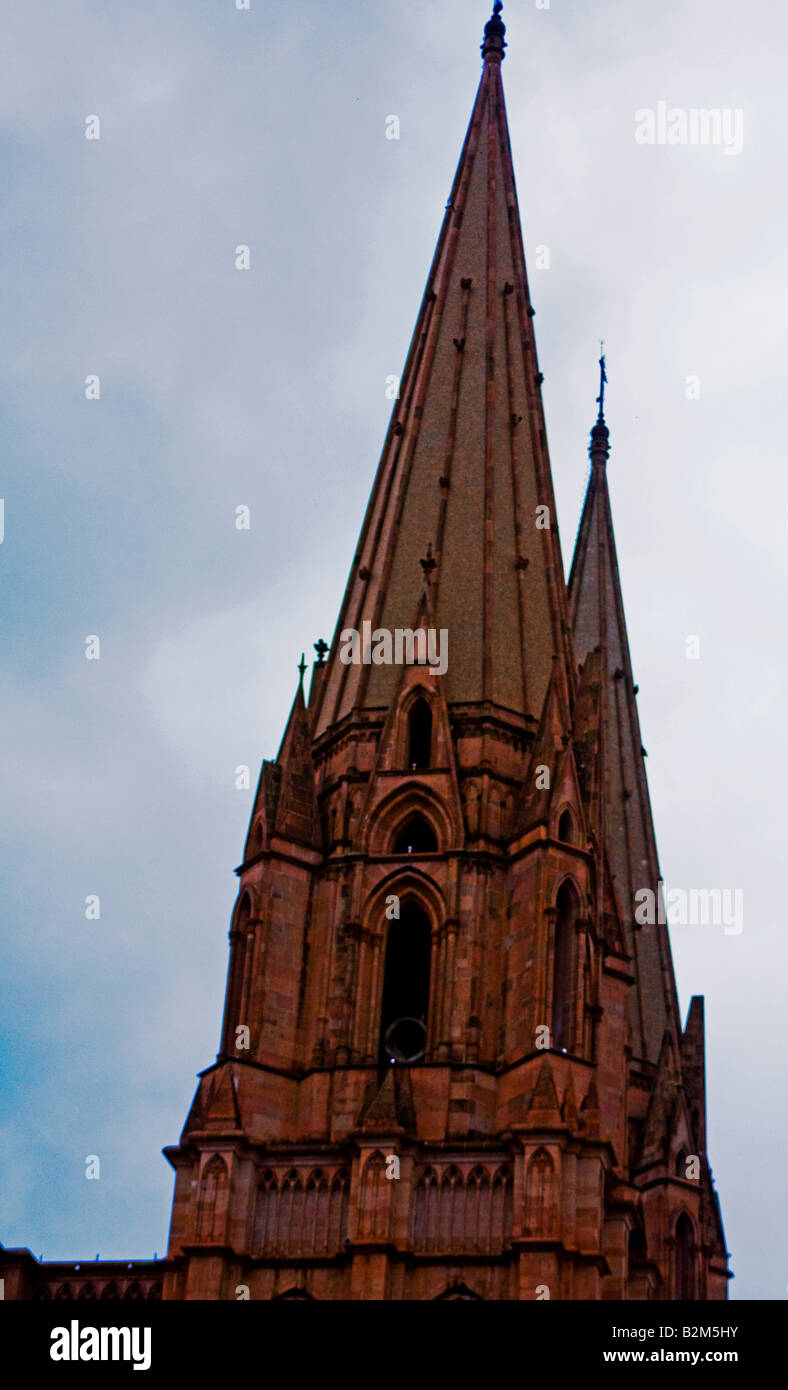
[429, 563]
[602, 382]
[321, 648]
[599, 448]
[302, 668]
[494, 41]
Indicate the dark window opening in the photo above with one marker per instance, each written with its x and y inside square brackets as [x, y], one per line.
[406, 987]
[563, 959]
[681, 1164]
[637, 1244]
[685, 1282]
[419, 735]
[565, 828]
[416, 837]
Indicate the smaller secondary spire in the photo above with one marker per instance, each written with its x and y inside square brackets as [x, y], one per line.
[599, 449]
[494, 31]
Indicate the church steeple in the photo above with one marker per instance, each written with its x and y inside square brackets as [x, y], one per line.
[434, 973]
[465, 463]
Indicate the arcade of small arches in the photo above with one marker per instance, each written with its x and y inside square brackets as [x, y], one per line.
[456, 1209]
[71, 1290]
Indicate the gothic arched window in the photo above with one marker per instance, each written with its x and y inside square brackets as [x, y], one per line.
[419, 734]
[566, 830]
[540, 1194]
[406, 986]
[685, 1273]
[416, 837]
[213, 1195]
[563, 966]
[265, 1214]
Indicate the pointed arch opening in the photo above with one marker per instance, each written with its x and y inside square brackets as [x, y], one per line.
[242, 941]
[566, 828]
[416, 836]
[419, 749]
[563, 965]
[244, 913]
[636, 1245]
[406, 986]
[685, 1269]
[540, 1194]
[458, 1291]
[213, 1200]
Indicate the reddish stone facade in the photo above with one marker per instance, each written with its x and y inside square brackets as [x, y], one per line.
[105, 1281]
[451, 1063]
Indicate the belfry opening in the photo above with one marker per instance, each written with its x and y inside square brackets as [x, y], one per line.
[406, 986]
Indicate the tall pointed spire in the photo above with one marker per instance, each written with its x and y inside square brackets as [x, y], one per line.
[624, 809]
[465, 463]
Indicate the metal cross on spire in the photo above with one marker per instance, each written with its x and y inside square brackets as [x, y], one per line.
[599, 448]
[302, 667]
[602, 382]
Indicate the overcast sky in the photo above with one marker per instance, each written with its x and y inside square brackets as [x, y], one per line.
[222, 127]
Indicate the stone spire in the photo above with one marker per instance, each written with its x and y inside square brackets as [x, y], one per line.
[623, 806]
[465, 463]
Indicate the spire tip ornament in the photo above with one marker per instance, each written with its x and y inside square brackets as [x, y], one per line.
[494, 31]
[599, 449]
[602, 382]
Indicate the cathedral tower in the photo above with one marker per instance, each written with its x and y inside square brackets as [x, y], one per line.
[451, 1062]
